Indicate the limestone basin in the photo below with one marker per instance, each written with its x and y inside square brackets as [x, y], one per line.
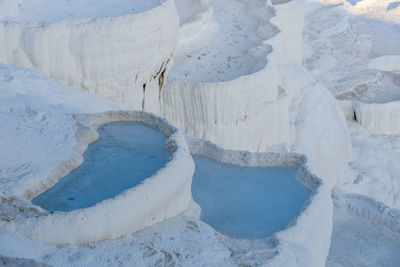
[247, 202]
[123, 156]
[149, 193]
[287, 215]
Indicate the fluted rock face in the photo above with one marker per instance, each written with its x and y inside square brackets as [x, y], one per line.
[227, 90]
[127, 58]
[376, 118]
[280, 105]
[241, 114]
[122, 58]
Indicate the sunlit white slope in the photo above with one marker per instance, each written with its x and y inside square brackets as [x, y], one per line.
[123, 58]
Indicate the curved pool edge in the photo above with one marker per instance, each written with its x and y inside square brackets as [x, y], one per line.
[307, 238]
[307, 241]
[150, 202]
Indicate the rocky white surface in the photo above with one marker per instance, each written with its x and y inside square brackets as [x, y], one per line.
[376, 118]
[374, 170]
[123, 58]
[156, 245]
[229, 55]
[239, 100]
[273, 103]
[197, 28]
[356, 48]
[178, 241]
[165, 194]
[358, 242]
[53, 11]
[346, 44]
[352, 47]
[37, 115]
[252, 114]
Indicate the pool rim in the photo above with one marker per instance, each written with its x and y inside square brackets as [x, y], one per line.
[101, 221]
[301, 231]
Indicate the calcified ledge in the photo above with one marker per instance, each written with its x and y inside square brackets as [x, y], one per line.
[255, 159]
[376, 118]
[231, 110]
[251, 46]
[368, 208]
[311, 229]
[195, 16]
[123, 58]
[165, 194]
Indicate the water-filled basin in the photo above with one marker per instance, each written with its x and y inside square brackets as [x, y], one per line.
[247, 202]
[125, 154]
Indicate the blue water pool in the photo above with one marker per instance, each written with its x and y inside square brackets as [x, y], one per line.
[247, 202]
[125, 154]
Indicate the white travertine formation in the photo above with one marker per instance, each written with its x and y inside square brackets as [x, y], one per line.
[195, 17]
[376, 118]
[261, 110]
[369, 208]
[306, 241]
[271, 104]
[235, 113]
[353, 49]
[165, 194]
[43, 124]
[254, 111]
[279, 105]
[124, 58]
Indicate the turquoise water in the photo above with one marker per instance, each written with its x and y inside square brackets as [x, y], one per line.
[125, 154]
[247, 202]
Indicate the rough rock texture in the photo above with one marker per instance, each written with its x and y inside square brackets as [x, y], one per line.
[374, 170]
[279, 107]
[352, 48]
[376, 118]
[252, 114]
[122, 58]
[365, 233]
[20, 262]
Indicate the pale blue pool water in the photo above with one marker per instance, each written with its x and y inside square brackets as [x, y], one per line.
[125, 154]
[247, 202]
